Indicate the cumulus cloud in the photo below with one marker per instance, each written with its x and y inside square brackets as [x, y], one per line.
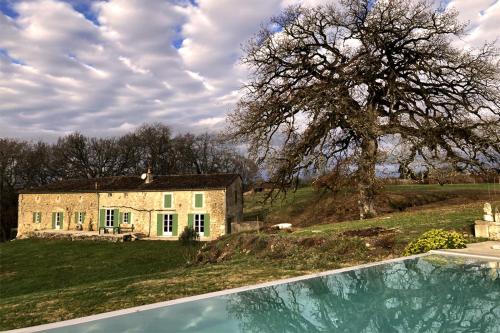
[105, 67]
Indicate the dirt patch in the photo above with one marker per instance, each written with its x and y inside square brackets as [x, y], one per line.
[7, 274]
[317, 252]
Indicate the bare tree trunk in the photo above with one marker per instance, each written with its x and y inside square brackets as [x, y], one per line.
[366, 178]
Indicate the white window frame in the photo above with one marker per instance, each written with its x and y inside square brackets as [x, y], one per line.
[202, 200]
[172, 203]
[38, 217]
[198, 227]
[109, 217]
[80, 217]
[126, 214]
[58, 220]
[168, 218]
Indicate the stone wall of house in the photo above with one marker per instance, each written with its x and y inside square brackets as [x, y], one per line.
[144, 208]
[234, 202]
[46, 204]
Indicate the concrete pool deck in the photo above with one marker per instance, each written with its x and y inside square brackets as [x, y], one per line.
[490, 249]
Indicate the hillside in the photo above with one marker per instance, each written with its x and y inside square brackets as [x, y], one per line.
[46, 280]
[307, 206]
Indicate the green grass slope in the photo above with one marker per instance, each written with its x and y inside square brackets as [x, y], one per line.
[307, 206]
[44, 281]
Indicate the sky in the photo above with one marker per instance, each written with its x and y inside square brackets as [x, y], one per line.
[105, 67]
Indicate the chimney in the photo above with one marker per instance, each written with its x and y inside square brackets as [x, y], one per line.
[149, 176]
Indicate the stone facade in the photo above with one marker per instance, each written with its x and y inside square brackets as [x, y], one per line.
[145, 210]
[46, 204]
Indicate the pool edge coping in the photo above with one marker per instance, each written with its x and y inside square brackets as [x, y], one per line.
[463, 254]
[116, 313]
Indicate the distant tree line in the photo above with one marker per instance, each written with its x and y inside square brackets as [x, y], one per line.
[26, 164]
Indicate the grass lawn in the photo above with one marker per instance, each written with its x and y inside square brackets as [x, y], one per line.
[411, 223]
[44, 281]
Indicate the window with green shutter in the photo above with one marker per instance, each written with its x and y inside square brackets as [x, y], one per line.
[57, 220]
[175, 224]
[159, 225]
[168, 200]
[190, 220]
[198, 200]
[102, 218]
[79, 217]
[116, 221]
[200, 224]
[207, 225]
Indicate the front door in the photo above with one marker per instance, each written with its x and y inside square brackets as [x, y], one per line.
[110, 218]
[167, 224]
[199, 224]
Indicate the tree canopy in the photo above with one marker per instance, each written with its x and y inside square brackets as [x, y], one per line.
[336, 80]
[25, 164]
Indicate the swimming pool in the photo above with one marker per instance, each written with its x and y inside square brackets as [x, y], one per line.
[429, 293]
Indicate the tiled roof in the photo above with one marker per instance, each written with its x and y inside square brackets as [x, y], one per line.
[135, 183]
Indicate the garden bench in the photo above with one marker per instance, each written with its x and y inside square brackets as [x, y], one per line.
[125, 227]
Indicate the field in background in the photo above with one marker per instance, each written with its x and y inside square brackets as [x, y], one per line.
[44, 281]
[307, 206]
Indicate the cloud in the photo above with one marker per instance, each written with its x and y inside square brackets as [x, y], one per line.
[105, 67]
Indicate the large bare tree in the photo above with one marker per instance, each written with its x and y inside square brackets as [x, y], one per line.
[339, 79]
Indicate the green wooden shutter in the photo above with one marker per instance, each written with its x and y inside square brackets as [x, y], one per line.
[167, 201]
[191, 220]
[76, 217]
[102, 218]
[83, 217]
[116, 215]
[175, 224]
[53, 220]
[120, 219]
[40, 217]
[207, 225]
[198, 200]
[62, 220]
[34, 217]
[159, 225]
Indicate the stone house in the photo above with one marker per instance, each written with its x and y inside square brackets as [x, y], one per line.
[156, 206]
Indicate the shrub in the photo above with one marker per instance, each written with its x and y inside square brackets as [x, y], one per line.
[188, 236]
[435, 239]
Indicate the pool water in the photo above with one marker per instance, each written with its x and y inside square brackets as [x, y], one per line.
[426, 294]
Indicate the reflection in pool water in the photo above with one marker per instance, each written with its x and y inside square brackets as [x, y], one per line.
[427, 294]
